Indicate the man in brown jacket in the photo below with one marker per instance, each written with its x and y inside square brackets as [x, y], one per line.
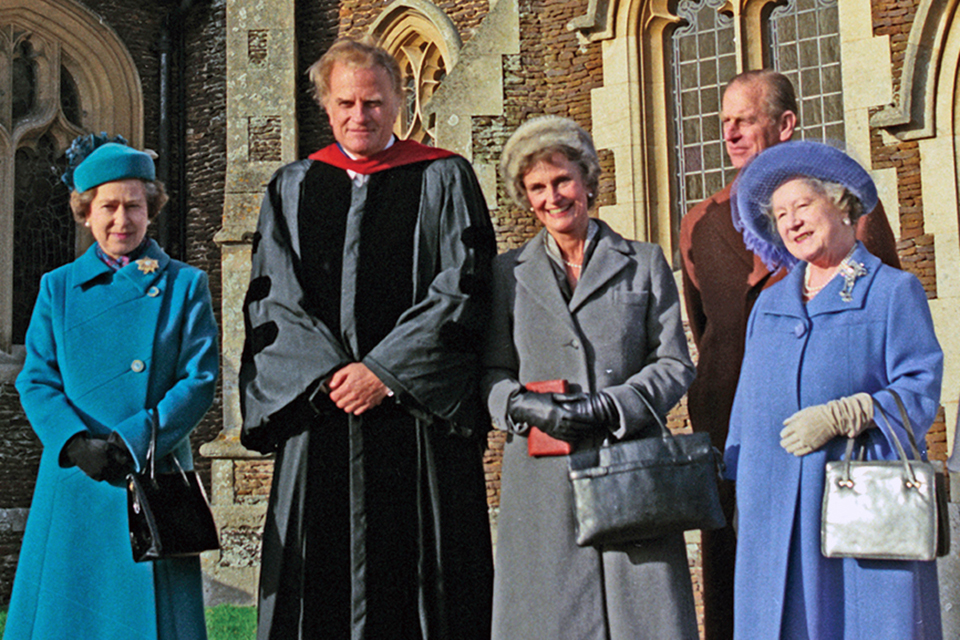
[721, 280]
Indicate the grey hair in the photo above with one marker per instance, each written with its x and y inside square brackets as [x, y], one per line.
[538, 139]
[779, 95]
[844, 199]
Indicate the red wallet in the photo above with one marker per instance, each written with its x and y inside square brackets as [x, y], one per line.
[540, 444]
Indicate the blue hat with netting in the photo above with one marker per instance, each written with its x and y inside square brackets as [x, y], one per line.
[780, 163]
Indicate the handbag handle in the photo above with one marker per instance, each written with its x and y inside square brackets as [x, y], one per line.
[906, 423]
[152, 449]
[664, 432]
[910, 479]
[152, 453]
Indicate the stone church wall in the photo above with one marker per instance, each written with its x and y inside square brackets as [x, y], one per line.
[550, 72]
[139, 26]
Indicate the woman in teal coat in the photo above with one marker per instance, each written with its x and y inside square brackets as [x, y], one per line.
[118, 336]
[834, 337]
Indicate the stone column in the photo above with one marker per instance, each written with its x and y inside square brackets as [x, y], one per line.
[261, 137]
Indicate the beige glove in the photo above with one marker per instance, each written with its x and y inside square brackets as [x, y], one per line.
[809, 429]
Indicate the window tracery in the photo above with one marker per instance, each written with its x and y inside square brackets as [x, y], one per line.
[799, 38]
[62, 73]
[425, 44]
[424, 68]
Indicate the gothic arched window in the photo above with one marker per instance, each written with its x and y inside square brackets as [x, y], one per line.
[424, 68]
[799, 38]
[62, 73]
[425, 44]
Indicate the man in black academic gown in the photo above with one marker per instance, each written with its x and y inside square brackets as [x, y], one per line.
[368, 296]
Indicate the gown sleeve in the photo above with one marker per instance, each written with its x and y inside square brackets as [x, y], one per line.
[286, 349]
[430, 359]
[500, 361]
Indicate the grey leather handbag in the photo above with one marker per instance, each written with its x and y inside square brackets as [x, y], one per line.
[880, 509]
[646, 488]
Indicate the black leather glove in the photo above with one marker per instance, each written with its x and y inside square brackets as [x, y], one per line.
[100, 458]
[597, 408]
[551, 413]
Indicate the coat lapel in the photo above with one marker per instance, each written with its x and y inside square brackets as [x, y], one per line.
[145, 272]
[88, 268]
[535, 275]
[123, 307]
[729, 235]
[610, 257]
[829, 299]
[132, 283]
[789, 300]
[140, 274]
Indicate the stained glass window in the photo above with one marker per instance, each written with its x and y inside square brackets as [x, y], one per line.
[44, 232]
[805, 46]
[803, 43]
[704, 60]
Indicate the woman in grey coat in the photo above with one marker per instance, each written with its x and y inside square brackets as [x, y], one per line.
[582, 304]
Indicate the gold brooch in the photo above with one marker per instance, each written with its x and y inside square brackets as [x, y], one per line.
[147, 265]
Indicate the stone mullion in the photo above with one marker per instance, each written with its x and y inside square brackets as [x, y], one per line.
[7, 151]
[6, 244]
[6, 80]
[261, 137]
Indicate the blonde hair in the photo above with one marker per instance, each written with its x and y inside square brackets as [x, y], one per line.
[360, 54]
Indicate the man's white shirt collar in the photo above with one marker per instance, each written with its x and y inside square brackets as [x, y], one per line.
[360, 179]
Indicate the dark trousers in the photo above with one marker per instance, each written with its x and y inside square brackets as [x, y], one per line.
[718, 556]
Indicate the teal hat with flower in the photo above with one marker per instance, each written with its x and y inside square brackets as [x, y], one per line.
[95, 160]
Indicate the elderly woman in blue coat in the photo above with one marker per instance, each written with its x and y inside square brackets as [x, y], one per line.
[823, 345]
[119, 338]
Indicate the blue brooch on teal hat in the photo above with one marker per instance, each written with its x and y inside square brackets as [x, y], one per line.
[776, 165]
[96, 159]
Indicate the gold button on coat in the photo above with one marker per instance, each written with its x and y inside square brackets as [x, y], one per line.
[137, 366]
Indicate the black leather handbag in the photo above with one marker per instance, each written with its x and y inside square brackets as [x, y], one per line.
[168, 512]
[646, 488]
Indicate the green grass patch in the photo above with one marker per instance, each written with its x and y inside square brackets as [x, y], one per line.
[224, 622]
[230, 622]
